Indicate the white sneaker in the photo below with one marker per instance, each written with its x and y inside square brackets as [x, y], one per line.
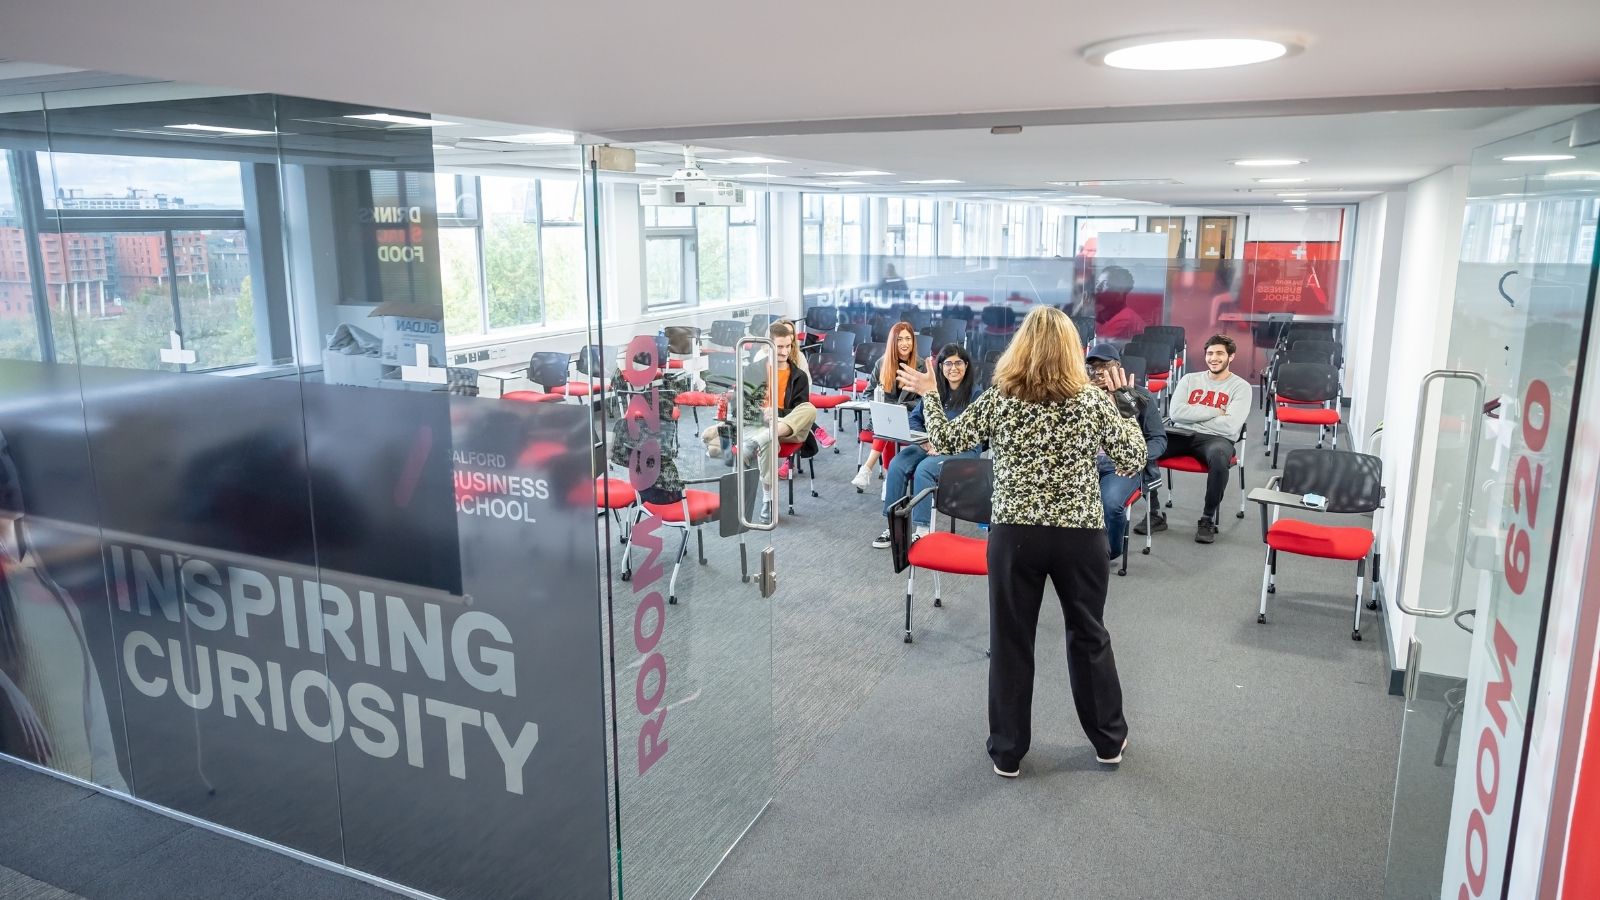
[1004, 774]
[1115, 759]
[882, 542]
[863, 477]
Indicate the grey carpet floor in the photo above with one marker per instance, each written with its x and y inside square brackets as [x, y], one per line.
[1261, 759]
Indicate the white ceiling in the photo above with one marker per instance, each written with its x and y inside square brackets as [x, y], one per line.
[837, 87]
[1348, 156]
[607, 68]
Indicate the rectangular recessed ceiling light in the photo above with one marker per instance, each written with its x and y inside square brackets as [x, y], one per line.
[932, 181]
[405, 121]
[861, 173]
[640, 165]
[751, 161]
[1282, 180]
[1575, 173]
[223, 129]
[1538, 157]
[1113, 181]
[839, 183]
[536, 137]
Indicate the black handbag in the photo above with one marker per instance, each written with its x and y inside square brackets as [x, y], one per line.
[900, 533]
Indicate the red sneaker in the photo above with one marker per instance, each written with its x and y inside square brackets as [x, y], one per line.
[783, 471]
[823, 437]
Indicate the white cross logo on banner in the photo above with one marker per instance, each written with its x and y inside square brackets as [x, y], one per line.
[422, 372]
[1300, 252]
[175, 353]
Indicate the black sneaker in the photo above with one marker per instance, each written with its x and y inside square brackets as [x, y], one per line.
[1158, 524]
[1206, 533]
[881, 542]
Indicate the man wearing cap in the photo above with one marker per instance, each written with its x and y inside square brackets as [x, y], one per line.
[1116, 489]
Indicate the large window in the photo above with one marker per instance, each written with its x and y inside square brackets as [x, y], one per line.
[704, 254]
[130, 249]
[511, 252]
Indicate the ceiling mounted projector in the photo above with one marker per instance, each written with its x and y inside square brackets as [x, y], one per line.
[689, 186]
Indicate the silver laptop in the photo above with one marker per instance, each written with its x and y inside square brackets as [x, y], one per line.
[893, 421]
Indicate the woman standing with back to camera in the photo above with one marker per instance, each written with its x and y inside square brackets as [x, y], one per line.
[1045, 424]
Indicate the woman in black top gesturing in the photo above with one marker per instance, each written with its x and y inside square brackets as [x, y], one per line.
[1045, 424]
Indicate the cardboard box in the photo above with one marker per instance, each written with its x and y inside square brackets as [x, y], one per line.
[343, 368]
[402, 326]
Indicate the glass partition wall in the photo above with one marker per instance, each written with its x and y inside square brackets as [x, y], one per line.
[347, 454]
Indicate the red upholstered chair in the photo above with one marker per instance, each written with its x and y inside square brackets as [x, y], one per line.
[693, 511]
[1191, 464]
[1351, 483]
[1305, 394]
[789, 457]
[531, 397]
[1127, 532]
[965, 491]
[611, 495]
[695, 400]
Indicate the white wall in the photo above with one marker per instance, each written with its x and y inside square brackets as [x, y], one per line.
[1429, 251]
[1370, 309]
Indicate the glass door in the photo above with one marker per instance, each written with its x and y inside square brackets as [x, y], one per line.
[1490, 470]
[683, 353]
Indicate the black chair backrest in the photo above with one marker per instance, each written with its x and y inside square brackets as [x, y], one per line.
[1298, 355]
[1135, 366]
[1307, 381]
[1156, 357]
[1310, 332]
[592, 360]
[1332, 348]
[1175, 333]
[839, 342]
[862, 331]
[999, 317]
[966, 489]
[822, 318]
[868, 353]
[880, 328]
[918, 318]
[1085, 325]
[963, 313]
[833, 370]
[722, 371]
[726, 332]
[548, 368]
[924, 346]
[759, 324]
[1352, 482]
[950, 331]
[1167, 342]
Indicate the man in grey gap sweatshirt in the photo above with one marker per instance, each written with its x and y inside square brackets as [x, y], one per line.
[1209, 410]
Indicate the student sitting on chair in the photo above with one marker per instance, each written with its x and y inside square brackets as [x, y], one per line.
[782, 410]
[916, 466]
[901, 350]
[1209, 409]
[1116, 489]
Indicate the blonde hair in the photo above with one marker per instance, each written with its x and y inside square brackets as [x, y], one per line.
[890, 371]
[785, 328]
[1044, 363]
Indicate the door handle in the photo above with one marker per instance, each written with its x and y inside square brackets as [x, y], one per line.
[738, 430]
[1475, 432]
[1413, 669]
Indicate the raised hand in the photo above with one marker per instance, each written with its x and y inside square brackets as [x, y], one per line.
[917, 382]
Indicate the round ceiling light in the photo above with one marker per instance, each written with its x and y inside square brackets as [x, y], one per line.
[1185, 52]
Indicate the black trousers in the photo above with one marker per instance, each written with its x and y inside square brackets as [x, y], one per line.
[1216, 452]
[1021, 557]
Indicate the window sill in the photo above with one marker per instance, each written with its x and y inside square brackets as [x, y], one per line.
[661, 314]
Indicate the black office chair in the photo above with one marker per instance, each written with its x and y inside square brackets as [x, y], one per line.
[760, 322]
[1351, 483]
[965, 491]
[1135, 366]
[950, 331]
[727, 332]
[861, 330]
[1331, 348]
[1305, 394]
[839, 343]
[822, 318]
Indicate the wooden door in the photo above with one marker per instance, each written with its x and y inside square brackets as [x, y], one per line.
[1216, 237]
